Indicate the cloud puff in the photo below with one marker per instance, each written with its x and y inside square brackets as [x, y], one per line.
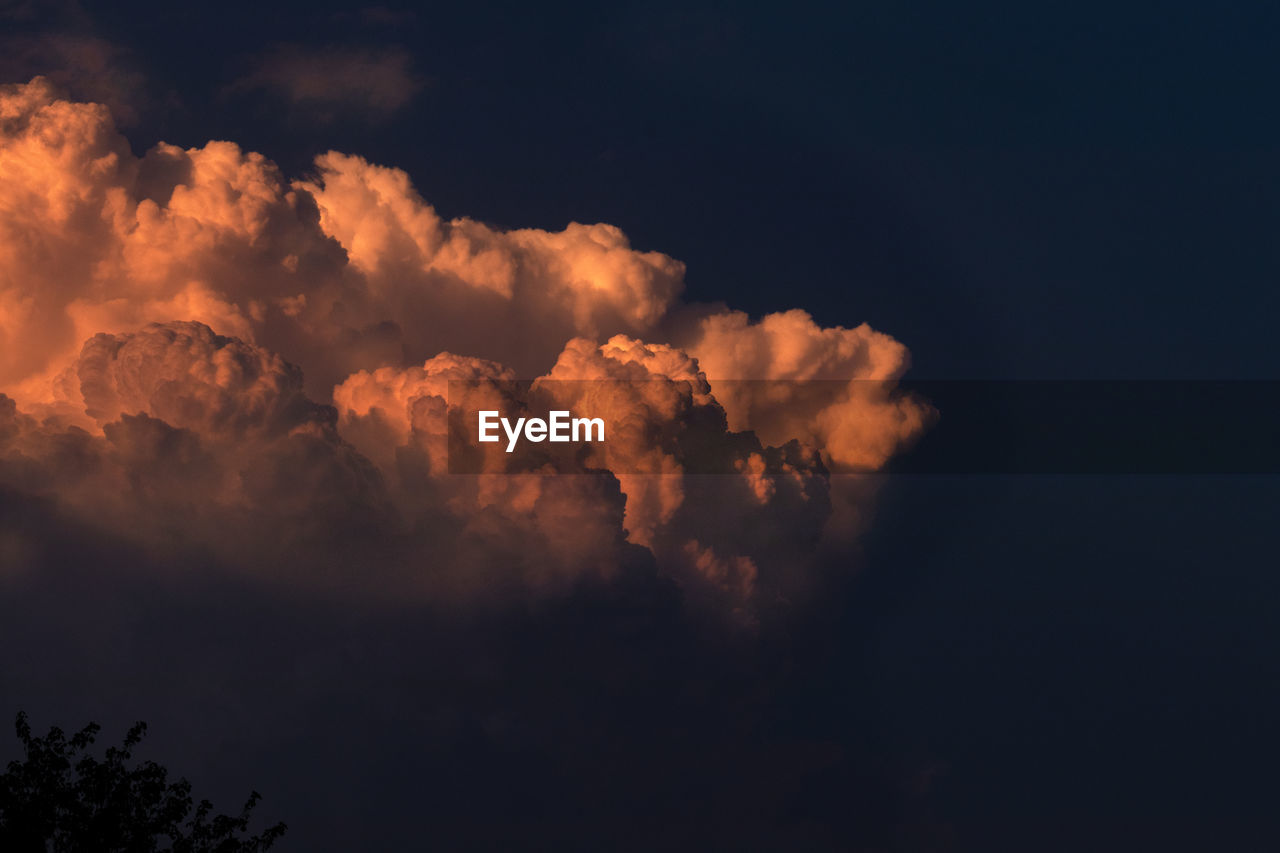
[194, 379]
[460, 285]
[665, 427]
[197, 436]
[190, 343]
[786, 377]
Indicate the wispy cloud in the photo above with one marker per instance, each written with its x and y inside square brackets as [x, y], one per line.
[85, 66]
[327, 83]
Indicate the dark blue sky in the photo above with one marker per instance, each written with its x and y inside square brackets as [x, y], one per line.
[1031, 191]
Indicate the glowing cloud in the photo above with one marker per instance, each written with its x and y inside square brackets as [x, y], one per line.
[189, 341]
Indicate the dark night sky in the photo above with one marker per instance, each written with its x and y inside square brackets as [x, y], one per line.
[1031, 191]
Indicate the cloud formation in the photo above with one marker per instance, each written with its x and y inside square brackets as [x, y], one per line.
[191, 343]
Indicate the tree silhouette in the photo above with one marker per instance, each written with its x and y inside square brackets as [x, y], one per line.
[64, 800]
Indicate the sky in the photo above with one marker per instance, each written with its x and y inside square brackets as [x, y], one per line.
[231, 292]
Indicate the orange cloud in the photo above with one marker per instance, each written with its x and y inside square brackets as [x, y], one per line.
[191, 343]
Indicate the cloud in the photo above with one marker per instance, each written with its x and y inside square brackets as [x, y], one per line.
[379, 16]
[830, 387]
[194, 379]
[324, 84]
[192, 343]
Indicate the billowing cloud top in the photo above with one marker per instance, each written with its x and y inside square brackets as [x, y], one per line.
[188, 341]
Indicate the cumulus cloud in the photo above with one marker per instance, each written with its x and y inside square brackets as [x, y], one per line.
[197, 435]
[191, 343]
